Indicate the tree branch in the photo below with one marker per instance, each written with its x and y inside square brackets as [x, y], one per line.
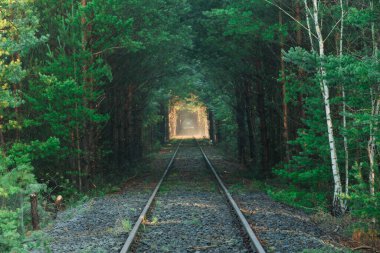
[107, 49]
[288, 14]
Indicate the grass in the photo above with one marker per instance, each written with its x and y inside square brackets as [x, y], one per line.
[78, 208]
[165, 249]
[121, 226]
[193, 221]
[165, 188]
[214, 188]
[127, 225]
[249, 187]
[327, 250]
[154, 220]
[100, 250]
[309, 202]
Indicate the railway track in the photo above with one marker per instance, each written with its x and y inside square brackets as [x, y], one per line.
[192, 211]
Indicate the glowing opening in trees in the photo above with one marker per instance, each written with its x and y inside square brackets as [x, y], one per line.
[188, 119]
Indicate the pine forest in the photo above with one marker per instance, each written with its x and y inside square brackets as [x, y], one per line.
[95, 96]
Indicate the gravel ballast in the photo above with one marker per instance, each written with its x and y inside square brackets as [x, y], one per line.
[280, 228]
[102, 224]
[99, 225]
[190, 214]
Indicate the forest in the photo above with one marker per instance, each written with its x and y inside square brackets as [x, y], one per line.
[292, 91]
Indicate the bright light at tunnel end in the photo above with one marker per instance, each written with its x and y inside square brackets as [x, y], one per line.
[188, 120]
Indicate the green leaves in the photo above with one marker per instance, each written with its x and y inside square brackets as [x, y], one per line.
[302, 58]
[358, 18]
[9, 238]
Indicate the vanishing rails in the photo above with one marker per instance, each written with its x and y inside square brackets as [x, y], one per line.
[255, 243]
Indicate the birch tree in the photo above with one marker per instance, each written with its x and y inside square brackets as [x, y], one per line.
[375, 106]
[338, 203]
[344, 106]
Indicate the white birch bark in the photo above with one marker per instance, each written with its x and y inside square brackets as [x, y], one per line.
[338, 203]
[371, 148]
[307, 13]
[373, 31]
[345, 141]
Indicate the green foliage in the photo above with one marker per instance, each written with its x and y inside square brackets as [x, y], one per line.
[363, 206]
[126, 225]
[83, 86]
[10, 238]
[305, 200]
[18, 25]
[357, 72]
[17, 181]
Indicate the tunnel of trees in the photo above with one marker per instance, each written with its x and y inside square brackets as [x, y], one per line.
[291, 88]
[188, 119]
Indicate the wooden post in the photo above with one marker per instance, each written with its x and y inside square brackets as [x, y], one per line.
[34, 211]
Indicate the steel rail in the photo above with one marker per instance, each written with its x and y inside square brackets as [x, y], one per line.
[133, 233]
[256, 243]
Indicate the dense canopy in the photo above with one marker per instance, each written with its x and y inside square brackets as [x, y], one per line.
[292, 90]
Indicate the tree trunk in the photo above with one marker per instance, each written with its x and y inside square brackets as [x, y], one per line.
[34, 211]
[371, 147]
[86, 141]
[129, 134]
[299, 43]
[137, 149]
[163, 124]
[91, 136]
[375, 113]
[344, 106]
[240, 115]
[79, 164]
[250, 121]
[2, 139]
[285, 133]
[265, 168]
[115, 126]
[212, 128]
[338, 203]
[307, 16]
[123, 126]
